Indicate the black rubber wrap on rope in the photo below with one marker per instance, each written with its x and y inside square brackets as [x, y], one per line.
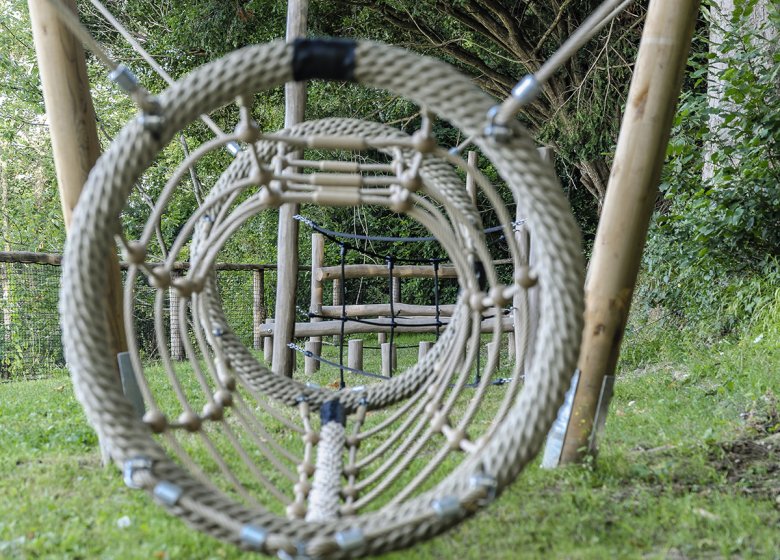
[333, 411]
[481, 274]
[324, 59]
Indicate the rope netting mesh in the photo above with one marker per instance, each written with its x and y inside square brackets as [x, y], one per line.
[395, 316]
[268, 462]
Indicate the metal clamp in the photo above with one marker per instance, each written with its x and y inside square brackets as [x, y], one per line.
[350, 540]
[233, 148]
[131, 467]
[124, 78]
[253, 537]
[447, 507]
[494, 129]
[168, 493]
[526, 90]
[486, 482]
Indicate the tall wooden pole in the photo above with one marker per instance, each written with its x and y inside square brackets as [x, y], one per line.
[287, 241]
[74, 136]
[628, 207]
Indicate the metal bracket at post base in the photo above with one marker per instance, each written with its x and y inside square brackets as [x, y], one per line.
[555, 438]
[605, 397]
[130, 384]
[554, 443]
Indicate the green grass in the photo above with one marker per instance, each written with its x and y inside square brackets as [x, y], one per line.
[681, 473]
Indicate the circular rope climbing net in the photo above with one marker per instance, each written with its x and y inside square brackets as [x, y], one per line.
[273, 464]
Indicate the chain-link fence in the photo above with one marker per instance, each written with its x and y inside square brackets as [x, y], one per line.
[30, 338]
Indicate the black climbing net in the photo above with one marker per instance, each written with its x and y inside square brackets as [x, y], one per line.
[347, 242]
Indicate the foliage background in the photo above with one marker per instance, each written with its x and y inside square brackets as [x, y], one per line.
[712, 254]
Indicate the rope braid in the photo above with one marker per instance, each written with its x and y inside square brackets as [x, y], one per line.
[240, 392]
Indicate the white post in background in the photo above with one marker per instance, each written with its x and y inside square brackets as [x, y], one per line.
[721, 12]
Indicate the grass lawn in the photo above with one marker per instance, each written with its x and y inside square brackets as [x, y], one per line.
[689, 468]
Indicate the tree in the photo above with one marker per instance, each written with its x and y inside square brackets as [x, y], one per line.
[498, 41]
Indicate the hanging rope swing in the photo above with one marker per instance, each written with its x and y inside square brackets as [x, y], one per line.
[267, 462]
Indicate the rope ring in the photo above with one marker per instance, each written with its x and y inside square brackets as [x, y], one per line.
[236, 515]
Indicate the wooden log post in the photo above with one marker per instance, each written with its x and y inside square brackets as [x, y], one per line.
[287, 240]
[628, 207]
[315, 306]
[268, 344]
[337, 292]
[310, 363]
[177, 346]
[337, 302]
[423, 348]
[495, 347]
[396, 289]
[258, 308]
[389, 357]
[381, 337]
[74, 138]
[355, 353]
[511, 346]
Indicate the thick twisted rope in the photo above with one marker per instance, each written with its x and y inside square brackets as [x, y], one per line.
[489, 466]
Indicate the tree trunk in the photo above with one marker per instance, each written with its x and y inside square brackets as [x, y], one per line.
[594, 175]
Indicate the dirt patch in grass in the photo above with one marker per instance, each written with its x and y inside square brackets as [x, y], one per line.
[752, 462]
[752, 466]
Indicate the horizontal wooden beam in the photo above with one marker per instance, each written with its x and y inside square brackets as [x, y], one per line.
[333, 328]
[380, 270]
[383, 309]
[24, 257]
[53, 259]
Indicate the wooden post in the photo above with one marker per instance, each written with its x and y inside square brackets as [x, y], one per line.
[396, 289]
[268, 346]
[381, 338]
[313, 345]
[511, 346]
[177, 347]
[628, 207]
[337, 301]
[74, 138]
[287, 240]
[317, 261]
[258, 310]
[355, 353]
[337, 291]
[388, 358]
[495, 347]
[424, 347]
